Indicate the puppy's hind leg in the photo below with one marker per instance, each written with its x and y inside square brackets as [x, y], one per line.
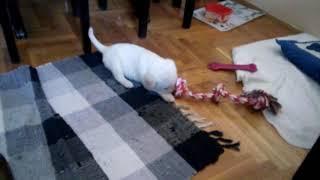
[119, 76]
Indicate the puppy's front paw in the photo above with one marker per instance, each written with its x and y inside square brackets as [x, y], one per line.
[128, 84]
[168, 97]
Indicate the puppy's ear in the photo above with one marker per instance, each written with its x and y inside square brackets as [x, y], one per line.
[148, 81]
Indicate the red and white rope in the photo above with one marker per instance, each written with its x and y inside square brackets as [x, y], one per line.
[257, 99]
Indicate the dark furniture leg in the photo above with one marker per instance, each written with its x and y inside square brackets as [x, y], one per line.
[5, 171]
[310, 166]
[188, 12]
[143, 11]
[85, 23]
[75, 7]
[176, 3]
[103, 4]
[16, 19]
[8, 33]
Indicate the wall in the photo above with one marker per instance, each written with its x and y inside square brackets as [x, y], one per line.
[301, 14]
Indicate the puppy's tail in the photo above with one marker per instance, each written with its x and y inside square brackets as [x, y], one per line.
[100, 47]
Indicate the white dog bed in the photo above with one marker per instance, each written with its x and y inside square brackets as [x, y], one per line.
[299, 120]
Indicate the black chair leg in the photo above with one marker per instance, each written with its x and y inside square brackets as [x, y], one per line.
[188, 12]
[176, 3]
[144, 6]
[85, 24]
[8, 33]
[75, 7]
[103, 4]
[16, 19]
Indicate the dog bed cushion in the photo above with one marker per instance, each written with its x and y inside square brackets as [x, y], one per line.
[298, 121]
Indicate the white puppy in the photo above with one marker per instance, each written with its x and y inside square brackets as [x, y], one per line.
[129, 61]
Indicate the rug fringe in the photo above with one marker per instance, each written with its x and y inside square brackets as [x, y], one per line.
[200, 122]
[203, 123]
[225, 143]
[182, 107]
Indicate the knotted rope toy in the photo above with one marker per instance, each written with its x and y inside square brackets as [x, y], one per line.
[256, 99]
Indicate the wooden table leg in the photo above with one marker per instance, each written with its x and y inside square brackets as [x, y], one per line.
[85, 24]
[103, 4]
[16, 19]
[188, 13]
[143, 7]
[8, 33]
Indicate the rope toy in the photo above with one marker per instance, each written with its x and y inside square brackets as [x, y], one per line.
[256, 99]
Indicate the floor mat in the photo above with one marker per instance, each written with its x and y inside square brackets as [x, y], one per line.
[71, 119]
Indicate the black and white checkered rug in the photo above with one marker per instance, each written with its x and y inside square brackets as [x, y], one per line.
[71, 120]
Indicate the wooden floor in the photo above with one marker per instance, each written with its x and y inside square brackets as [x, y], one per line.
[54, 34]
